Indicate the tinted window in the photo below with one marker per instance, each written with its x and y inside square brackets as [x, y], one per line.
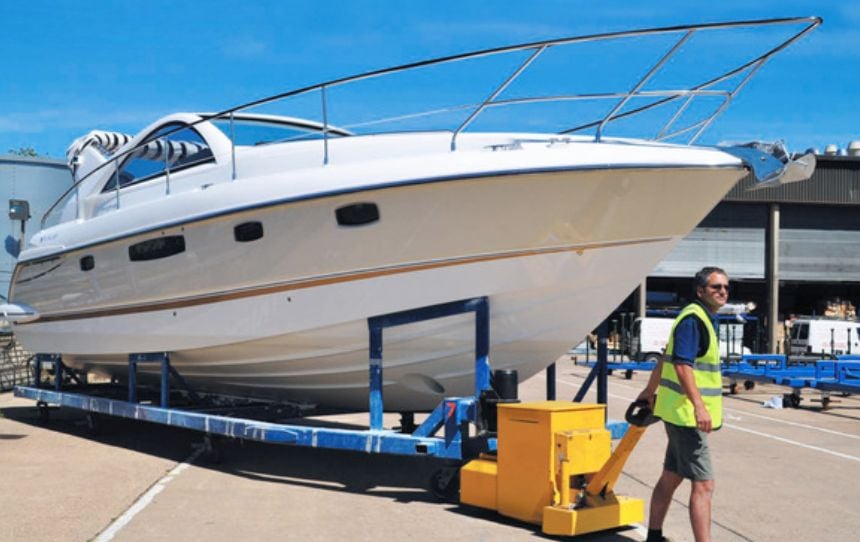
[260, 132]
[165, 150]
[153, 249]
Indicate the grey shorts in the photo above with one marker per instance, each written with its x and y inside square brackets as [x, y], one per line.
[687, 453]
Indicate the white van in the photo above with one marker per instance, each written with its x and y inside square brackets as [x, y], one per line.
[649, 335]
[810, 336]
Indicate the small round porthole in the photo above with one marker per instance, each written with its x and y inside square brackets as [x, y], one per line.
[248, 231]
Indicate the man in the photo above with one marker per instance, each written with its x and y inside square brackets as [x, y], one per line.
[688, 384]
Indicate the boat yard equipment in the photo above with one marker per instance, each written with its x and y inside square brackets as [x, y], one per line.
[451, 418]
[825, 376]
[444, 434]
[554, 468]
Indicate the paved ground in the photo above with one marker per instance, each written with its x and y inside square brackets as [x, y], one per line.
[782, 474]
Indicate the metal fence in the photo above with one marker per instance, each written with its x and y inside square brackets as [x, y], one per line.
[14, 366]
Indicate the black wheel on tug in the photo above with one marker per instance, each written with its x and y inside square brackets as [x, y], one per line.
[445, 484]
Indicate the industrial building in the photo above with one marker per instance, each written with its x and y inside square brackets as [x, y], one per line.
[789, 249]
[37, 180]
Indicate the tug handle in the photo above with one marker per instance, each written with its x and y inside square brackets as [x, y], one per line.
[642, 417]
[604, 481]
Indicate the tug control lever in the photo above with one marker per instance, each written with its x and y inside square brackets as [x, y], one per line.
[639, 416]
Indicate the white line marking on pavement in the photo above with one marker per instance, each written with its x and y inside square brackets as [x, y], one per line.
[789, 441]
[144, 500]
[759, 433]
[744, 412]
[796, 424]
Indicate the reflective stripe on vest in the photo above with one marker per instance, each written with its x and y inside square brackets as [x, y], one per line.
[672, 404]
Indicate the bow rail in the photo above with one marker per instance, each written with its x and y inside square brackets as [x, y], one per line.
[599, 124]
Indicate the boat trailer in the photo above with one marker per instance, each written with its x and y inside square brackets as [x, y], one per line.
[841, 375]
[548, 463]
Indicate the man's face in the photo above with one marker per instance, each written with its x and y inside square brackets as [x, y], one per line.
[716, 293]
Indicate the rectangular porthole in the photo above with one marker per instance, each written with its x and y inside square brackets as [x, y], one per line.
[248, 231]
[357, 214]
[153, 249]
[87, 263]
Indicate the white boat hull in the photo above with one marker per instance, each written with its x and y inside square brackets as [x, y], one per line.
[555, 253]
[531, 322]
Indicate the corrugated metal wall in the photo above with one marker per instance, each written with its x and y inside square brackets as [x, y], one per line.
[37, 180]
[805, 255]
[740, 251]
[819, 229]
[836, 181]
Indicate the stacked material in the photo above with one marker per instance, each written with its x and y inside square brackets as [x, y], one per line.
[840, 309]
[14, 365]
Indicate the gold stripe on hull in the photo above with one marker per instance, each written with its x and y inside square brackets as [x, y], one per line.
[334, 279]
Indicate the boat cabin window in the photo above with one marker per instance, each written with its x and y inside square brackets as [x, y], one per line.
[166, 149]
[254, 132]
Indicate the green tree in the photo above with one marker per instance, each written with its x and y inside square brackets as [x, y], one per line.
[24, 151]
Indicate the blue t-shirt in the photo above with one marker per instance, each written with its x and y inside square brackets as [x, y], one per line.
[691, 339]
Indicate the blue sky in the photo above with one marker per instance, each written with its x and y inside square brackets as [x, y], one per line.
[68, 67]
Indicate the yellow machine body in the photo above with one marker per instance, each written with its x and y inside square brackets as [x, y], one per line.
[543, 448]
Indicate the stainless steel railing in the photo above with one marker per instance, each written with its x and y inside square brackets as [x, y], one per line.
[617, 112]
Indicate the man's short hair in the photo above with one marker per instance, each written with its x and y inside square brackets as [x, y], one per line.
[701, 278]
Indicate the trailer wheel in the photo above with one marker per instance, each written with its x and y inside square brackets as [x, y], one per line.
[628, 374]
[445, 484]
[211, 451]
[94, 424]
[44, 411]
[791, 399]
[652, 358]
[733, 388]
[749, 384]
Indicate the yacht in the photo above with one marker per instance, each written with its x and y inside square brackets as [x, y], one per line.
[253, 246]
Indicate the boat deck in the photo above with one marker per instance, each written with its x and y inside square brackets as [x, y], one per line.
[780, 473]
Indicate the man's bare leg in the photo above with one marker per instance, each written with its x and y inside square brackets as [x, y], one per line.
[661, 498]
[700, 509]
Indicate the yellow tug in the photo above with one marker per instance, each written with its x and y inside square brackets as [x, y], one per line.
[554, 468]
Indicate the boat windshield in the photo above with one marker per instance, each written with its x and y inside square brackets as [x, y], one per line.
[253, 132]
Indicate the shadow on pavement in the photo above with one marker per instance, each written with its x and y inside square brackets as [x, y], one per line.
[397, 478]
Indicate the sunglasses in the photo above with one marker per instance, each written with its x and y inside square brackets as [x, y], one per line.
[719, 287]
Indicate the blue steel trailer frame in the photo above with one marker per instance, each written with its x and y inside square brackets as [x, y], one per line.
[825, 376]
[443, 434]
[842, 375]
[452, 416]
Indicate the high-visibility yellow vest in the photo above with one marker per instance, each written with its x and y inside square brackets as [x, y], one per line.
[672, 405]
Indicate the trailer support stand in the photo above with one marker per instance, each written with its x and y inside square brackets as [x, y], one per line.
[480, 306]
[166, 371]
